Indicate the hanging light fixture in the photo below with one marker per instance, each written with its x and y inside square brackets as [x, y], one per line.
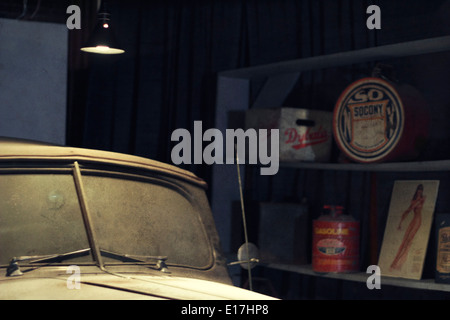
[102, 39]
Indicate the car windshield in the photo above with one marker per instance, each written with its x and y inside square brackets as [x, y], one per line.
[40, 214]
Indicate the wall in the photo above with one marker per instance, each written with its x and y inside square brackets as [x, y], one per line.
[33, 80]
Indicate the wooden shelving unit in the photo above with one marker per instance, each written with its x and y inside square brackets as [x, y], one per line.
[397, 50]
[426, 284]
[233, 94]
[421, 166]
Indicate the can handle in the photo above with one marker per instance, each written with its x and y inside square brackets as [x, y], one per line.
[305, 123]
[385, 71]
[334, 211]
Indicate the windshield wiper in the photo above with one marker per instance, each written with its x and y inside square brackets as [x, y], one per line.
[14, 269]
[159, 260]
[86, 216]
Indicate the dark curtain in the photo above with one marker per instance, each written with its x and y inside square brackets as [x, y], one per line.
[78, 73]
[174, 50]
[166, 79]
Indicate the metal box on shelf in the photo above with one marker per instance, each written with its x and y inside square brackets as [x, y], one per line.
[283, 229]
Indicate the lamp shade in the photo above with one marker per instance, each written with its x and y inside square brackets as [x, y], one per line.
[102, 39]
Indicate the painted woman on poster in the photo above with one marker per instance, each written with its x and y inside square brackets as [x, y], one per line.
[415, 207]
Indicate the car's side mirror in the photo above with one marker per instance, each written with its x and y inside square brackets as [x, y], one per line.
[247, 256]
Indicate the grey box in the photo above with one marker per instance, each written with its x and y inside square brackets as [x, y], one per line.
[283, 233]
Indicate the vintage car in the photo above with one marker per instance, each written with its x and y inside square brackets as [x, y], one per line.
[88, 224]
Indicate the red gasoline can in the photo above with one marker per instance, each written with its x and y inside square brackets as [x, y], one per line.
[377, 120]
[335, 245]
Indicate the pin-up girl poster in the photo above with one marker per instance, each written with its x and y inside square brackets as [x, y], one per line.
[408, 228]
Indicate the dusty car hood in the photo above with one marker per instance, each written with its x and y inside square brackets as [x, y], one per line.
[105, 287]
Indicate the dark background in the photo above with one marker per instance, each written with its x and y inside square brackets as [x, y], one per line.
[167, 79]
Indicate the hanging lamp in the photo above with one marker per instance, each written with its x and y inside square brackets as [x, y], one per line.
[102, 39]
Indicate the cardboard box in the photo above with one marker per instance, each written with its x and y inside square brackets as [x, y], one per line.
[305, 135]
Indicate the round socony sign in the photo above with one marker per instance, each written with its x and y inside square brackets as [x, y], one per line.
[376, 121]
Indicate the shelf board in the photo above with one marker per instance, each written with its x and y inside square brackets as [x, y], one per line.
[421, 166]
[427, 284]
[404, 49]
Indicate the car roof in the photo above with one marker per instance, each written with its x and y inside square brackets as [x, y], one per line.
[15, 149]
